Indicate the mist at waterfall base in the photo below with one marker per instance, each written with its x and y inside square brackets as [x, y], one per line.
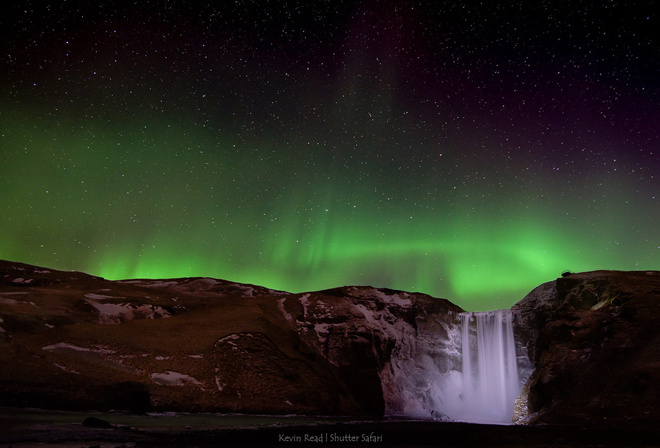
[471, 370]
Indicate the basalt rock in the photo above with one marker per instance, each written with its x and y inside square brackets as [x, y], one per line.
[594, 339]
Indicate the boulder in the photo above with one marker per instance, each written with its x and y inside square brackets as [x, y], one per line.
[93, 422]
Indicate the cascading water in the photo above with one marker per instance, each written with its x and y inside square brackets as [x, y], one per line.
[489, 368]
[462, 368]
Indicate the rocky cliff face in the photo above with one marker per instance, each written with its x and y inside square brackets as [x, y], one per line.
[594, 339]
[73, 341]
[76, 341]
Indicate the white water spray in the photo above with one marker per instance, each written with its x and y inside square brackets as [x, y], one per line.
[489, 369]
[462, 368]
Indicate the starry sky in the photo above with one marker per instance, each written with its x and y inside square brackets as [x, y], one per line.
[469, 151]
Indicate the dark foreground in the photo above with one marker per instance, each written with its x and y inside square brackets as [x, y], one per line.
[25, 428]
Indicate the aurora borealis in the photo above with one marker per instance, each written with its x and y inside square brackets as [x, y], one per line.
[467, 151]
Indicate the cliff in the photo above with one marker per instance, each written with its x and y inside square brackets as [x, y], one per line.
[74, 341]
[68, 340]
[594, 339]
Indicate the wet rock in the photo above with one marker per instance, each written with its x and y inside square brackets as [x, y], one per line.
[93, 422]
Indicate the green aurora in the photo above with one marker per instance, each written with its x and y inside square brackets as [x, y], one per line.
[467, 151]
[123, 202]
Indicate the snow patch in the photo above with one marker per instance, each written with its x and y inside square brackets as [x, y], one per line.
[402, 298]
[248, 291]
[159, 284]
[373, 317]
[171, 378]
[101, 296]
[280, 306]
[65, 346]
[22, 281]
[208, 282]
[304, 301]
[322, 331]
[229, 340]
[116, 313]
[326, 310]
[4, 301]
[65, 368]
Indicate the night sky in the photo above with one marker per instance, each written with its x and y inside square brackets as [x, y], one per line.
[467, 151]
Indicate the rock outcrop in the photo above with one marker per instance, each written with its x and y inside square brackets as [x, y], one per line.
[594, 338]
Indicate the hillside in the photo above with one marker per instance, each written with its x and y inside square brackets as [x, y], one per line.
[586, 346]
[75, 341]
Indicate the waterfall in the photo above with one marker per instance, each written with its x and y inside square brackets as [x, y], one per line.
[489, 373]
[464, 368]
